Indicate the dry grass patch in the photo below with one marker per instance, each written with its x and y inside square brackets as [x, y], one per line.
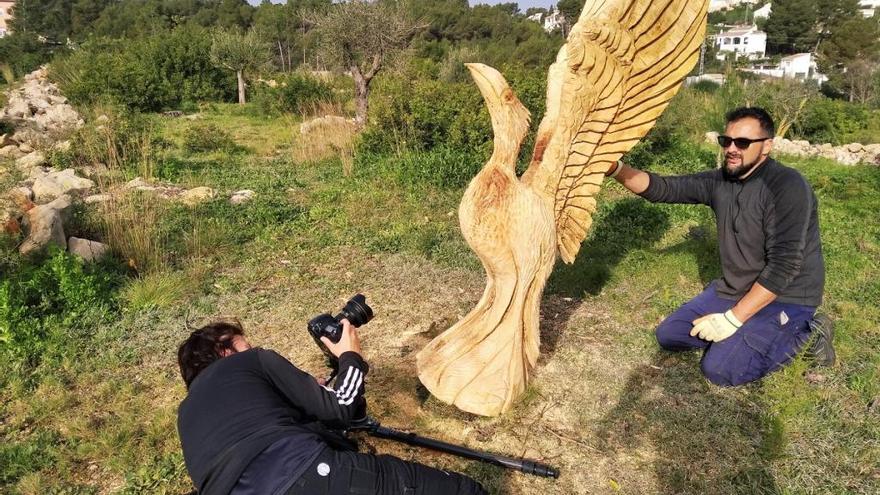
[326, 137]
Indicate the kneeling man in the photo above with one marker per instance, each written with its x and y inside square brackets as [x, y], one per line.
[757, 316]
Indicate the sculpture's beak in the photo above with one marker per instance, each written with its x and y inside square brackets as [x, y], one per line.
[491, 83]
[510, 119]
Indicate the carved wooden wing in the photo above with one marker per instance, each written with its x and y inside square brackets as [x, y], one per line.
[622, 63]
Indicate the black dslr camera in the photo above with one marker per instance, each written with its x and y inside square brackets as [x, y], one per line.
[355, 311]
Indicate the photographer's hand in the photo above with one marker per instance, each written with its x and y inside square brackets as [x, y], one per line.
[348, 342]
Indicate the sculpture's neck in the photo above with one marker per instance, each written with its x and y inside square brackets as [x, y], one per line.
[504, 153]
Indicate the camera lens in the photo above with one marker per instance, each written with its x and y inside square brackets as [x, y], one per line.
[357, 311]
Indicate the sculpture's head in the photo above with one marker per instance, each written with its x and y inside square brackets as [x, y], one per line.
[510, 119]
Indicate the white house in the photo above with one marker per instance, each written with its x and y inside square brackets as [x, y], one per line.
[869, 7]
[5, 16]
[764, 12]
[801, 66]
[745, 41]
[551, 21]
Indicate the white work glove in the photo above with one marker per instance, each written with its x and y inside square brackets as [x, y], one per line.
[716, 326]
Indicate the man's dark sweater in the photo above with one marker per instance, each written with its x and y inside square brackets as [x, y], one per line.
[768, 229]
[243, 403]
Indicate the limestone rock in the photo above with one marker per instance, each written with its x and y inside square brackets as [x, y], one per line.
[241, 197]
[97, 198]
[139, 184]
[845, 157]
[59, 117]
[55, 184]
[711, 137]
[854, 147]
[95, 170]
[11, 151]
[25, 148]
[30, 161]
[6, 140]
[18, 108]
[86, 249]
[21, 195]
[28, 135]
[196, 195]
[46, 226]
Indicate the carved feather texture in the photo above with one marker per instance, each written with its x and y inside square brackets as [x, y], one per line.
[622, 63]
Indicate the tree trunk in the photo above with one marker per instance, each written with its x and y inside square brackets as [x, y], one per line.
[361, 94]
[362, 88]
[240, 75]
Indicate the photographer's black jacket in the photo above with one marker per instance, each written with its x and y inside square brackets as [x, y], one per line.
[243, 403]
[768, 229]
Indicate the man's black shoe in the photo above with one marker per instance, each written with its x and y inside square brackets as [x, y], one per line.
[821, 350]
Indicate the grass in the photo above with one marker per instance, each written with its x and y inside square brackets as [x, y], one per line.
[614, 413]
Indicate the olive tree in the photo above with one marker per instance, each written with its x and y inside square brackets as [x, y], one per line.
[360, 37]
[244, 53]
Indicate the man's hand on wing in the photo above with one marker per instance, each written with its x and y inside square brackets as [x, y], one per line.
[716, 327]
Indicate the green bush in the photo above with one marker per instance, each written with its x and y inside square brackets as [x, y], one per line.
[295, 93]
[206, 137]
[705, 86]
[118, 137]
[162, 71]
[24, 52]
[46, 306]
[832, 121]
[441, 166]
[420, 113]
[671, 155]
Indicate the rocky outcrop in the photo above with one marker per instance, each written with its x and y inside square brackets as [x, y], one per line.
[55, 184]
[86, 249]
[846, 154]
[45, 224]
[241, 197]
[196, 195]
[38, 108]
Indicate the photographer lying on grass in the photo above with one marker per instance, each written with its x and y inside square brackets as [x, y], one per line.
[253, 423]
[756, 317]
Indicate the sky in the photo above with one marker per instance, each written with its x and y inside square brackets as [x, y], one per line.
[523, 4]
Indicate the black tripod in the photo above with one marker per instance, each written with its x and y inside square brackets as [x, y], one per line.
[373, 428]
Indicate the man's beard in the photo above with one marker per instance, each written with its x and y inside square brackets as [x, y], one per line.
[737, 172]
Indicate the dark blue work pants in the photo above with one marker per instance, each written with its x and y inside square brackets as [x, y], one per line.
[764, 343]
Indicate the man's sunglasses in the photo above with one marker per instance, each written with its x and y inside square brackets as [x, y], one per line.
[741, 143]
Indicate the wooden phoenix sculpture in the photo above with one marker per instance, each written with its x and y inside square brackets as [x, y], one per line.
[621, 64]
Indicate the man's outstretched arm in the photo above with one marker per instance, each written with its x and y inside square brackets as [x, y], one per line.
[633, 179]
[686, 189]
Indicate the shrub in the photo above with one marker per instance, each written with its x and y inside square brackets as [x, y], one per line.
[23, 53]
[295, 93]
[671, 154]
[705, 86]
[44, 305]
[442, 166]
[832, 121]
[205, 137]
[165, 70]
[422, 113]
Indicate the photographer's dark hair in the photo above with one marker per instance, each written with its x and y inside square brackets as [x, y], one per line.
[204, 346]
[756, 113]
